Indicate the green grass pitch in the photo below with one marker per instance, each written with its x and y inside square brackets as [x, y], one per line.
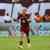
[38, 43]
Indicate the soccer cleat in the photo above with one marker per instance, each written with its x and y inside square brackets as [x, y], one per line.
[28, 45]
[20, 46]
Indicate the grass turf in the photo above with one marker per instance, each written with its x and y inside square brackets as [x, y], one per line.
[38, 43]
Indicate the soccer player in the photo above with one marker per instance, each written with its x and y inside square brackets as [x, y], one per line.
[25, 27]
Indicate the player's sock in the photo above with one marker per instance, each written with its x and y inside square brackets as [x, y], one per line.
[21, 43]
[28, 40]
[28, 43]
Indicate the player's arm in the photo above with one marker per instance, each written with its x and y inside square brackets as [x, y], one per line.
[29, 18]
[17, 19]
[19, 16]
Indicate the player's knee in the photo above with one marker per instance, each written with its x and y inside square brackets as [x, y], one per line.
[24, 35]
[27, 34]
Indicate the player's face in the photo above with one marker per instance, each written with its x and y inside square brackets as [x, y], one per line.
[24, 12]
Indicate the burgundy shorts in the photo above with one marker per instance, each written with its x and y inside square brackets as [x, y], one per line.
[24, 29]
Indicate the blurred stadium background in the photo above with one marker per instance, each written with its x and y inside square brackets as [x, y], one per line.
[40, 35]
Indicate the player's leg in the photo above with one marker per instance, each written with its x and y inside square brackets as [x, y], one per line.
[20, 45]
[27, 34]
[28, 40]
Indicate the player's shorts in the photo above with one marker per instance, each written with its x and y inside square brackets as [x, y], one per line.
[24, 29]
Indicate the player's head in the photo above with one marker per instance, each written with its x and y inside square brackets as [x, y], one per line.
[24, 10]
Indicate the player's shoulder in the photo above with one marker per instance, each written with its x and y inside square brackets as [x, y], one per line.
[28, 12]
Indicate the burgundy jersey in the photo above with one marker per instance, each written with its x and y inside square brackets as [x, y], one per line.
[24, 19]
[24, 22]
